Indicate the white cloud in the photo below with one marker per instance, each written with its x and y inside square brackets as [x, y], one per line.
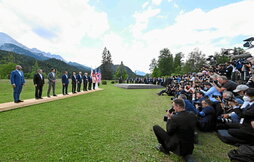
[156, 2]
[145, 5]
[170, 1]
[65, 22]
[209, 31]
[175, 5]
[142, 20]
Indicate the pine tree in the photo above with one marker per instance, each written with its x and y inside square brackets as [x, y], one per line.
[106, 66]
[34, 69]
[166, 62]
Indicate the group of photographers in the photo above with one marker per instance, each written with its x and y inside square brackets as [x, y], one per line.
[213, 100]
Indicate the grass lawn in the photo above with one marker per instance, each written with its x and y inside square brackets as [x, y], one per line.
[110, 125]
[6, 90]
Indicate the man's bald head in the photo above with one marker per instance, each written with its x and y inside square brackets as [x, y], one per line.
[18, 67]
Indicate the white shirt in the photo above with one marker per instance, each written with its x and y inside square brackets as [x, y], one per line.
[19, 72]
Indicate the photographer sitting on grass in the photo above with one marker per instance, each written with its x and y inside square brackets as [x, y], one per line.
[206, 118]
[245, 133]
[179, 137]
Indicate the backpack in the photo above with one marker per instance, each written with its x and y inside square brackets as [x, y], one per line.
[244, 153]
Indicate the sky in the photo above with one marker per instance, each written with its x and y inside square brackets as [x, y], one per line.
[134, 31]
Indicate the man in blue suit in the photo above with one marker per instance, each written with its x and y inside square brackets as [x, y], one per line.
[65, 82]
[79, 80]
[17, 81]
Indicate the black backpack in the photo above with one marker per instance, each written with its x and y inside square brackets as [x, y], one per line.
[244, 153]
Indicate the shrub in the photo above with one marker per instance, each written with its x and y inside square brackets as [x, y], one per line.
[104, 82]
[112, 82]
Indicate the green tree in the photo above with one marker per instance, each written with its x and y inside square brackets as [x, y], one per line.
[121, 72]
[178, 63]
[196, 60]
[5, 70]
[156, 72]
[153, 65]
[221, 57]
[106, 66]
[166, 62]
[34, 69]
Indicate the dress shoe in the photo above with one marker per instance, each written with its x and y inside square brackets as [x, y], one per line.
[16, 102]
[48, 96]
[37, 98]
[67, 94]
[20, 101]
[40, 98]
[55, 95]
[161, 149]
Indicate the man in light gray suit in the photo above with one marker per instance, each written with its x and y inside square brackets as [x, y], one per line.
[52, 82]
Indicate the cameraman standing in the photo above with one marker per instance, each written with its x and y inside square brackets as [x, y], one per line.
[179, 137]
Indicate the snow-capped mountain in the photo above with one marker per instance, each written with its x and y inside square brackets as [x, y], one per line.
[140, 73]
[7, 43]
[4, 38]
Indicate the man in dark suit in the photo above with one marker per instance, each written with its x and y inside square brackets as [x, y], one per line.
[38, 83]
[79, 80]
[85, 81]
[52, 82]
[179, 137]
[17, 81]
[74, 82]
[90, 82]
[65, 83]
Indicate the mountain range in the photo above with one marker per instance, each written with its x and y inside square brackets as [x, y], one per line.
[9, 44]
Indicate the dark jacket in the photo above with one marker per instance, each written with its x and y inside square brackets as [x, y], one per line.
[206, 120]
[85, 79]
[89, 79]
[79, 78]
[65, 79]
[38, 80]
[190, 107]
[181, 128]
[73, 79]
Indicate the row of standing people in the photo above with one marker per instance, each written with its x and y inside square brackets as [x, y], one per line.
[18, 81]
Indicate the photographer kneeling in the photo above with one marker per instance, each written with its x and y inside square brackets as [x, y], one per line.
[179, 137]
[206, 116]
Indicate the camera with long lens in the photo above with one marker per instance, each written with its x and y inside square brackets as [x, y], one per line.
[244, 62]
[223, 120]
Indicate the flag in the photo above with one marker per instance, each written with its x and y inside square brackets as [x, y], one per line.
[98, 72]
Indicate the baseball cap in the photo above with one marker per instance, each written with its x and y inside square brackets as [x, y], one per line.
[241, 87]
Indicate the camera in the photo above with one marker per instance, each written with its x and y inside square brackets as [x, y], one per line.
[216, 82]
[165, 118]
[215, 96]
[198, 105]
[245, 62]
[171, 110]
[223, 120]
